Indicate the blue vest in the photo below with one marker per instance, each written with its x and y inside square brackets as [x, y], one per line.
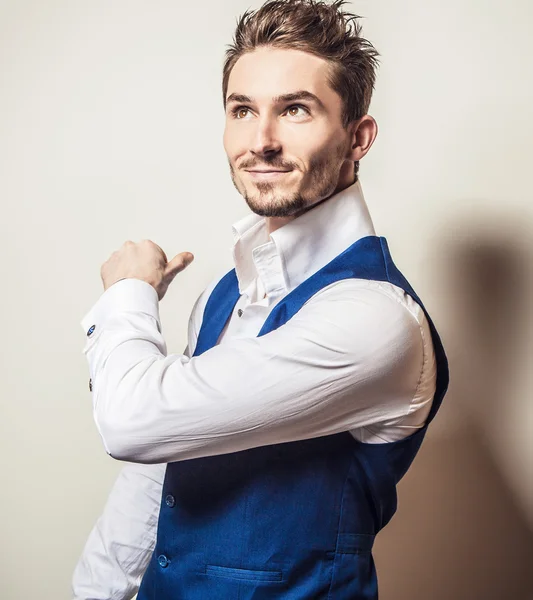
[288, 521]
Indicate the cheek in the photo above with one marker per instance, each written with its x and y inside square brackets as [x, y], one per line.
[307, 153]
[309, 141]
[329, 145]
[225, 142]
[233, 145]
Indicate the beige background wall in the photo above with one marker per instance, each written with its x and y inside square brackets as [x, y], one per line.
[111, 129]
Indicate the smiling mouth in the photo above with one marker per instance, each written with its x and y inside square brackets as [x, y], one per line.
[267, 175]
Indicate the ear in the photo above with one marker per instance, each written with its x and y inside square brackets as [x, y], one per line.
[364, 132]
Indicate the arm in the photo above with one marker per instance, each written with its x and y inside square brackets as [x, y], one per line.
[119, 547]
[351, 357]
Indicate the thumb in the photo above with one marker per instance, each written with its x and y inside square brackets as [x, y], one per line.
[178, 263]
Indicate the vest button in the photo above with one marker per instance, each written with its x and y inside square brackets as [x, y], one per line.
[163, 561]
[239, 312]
[170, 500]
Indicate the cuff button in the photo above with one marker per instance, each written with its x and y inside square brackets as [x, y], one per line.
[90, 330]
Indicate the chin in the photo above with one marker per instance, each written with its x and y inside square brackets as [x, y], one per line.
[284, 204]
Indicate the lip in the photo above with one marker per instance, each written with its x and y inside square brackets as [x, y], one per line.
[270, 174]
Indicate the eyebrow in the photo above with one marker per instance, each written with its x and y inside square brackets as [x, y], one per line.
[291, 97]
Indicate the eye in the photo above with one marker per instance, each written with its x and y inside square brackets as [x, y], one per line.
[306, 111]
[236, 113]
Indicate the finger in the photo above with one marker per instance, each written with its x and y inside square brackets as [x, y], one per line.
[179, 262]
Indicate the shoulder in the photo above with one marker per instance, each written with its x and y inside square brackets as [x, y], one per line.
[367, 317]
[370, 298]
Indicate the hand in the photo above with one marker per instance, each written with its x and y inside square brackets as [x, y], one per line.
[146, 261]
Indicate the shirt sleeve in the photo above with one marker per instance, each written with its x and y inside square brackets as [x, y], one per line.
[120, 545]
[350, 357]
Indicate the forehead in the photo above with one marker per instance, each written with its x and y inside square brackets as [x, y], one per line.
[268, 72]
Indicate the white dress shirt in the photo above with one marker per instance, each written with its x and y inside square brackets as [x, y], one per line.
[357, 357]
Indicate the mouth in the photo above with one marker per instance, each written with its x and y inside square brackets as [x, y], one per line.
[266, 173]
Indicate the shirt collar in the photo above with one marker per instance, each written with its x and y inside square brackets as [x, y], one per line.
[301, 247]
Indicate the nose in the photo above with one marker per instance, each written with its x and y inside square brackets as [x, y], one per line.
[265, 140]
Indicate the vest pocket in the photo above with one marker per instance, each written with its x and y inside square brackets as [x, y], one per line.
[244, 574]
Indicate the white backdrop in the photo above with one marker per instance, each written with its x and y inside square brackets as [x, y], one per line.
[111, 126]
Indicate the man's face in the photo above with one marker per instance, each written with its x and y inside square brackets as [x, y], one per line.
[301, 138]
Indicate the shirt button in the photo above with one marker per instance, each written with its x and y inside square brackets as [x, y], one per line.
[239, 312]
[90, 385]
[163, 561]
[90, 330]
[170, 500]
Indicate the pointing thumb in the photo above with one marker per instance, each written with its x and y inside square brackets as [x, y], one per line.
[178, 263]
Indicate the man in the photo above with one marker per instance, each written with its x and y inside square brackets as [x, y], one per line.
[265, 458]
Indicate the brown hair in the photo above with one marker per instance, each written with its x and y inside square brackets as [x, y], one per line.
[318, 28]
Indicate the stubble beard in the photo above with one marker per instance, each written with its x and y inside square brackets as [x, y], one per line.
[268, 202]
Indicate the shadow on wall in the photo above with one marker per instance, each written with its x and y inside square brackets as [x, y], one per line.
[458, 533]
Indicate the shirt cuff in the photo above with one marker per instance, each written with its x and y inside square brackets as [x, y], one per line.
[125, 295]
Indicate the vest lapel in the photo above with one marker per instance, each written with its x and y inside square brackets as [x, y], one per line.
[217, 311]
